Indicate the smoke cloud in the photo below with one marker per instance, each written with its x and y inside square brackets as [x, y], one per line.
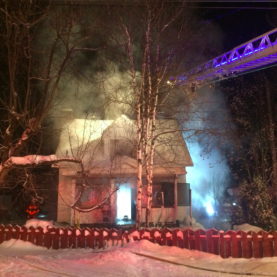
[210, 176]
[100, 86]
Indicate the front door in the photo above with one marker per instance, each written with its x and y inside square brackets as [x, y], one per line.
[124, 202]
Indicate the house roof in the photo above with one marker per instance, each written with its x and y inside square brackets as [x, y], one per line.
[92, 140]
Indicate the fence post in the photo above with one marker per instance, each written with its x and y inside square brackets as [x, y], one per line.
[24, 233]
[119, 236]
[39, 236]
[97, 237]
[101, 239]
[146, 234]
[212, 241]
[135, 237]
[234, 243]
[267, 244]
[189, 239]
[2, 233]
[197, 240]
[9, 232]
[216, 245]
[168, 237]
[56, 238]
[91, 239]
[111, 236]
[246, 245]
[31, 236]
[227, 241]
[47, 239]
[51, 231]
[105, 237]
[141, 232]
[74, 238]
[156, 234]
[125, 237]
[151, 238]
[222, 244]
[64, 238]
[17, 232]
[257, 245]
[71, 237]
[209, 241]
[179, 237]
[86, 235]
[174, 237]
[80, 238]
[275, 243]
[203, 240]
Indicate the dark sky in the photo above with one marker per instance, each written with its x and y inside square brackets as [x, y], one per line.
[239, 21]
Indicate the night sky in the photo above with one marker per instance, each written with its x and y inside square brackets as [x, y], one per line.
[239, 21]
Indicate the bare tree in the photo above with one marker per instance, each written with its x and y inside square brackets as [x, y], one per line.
[154, 40]
[40, 46]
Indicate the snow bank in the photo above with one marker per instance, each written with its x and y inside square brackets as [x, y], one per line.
[20, 244]
[38, 223]
[246, 228]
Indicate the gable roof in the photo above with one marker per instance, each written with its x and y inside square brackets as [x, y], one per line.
[91, 140]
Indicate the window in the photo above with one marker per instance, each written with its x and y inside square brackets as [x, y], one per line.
[168, 190]
[157, 189]
[183, 194]
[90, 197]
[122, 147]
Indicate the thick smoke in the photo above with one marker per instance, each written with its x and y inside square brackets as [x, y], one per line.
[210, 176]
[100, 86]
[108, 97]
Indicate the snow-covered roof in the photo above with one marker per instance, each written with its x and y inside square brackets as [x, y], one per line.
[92, 141]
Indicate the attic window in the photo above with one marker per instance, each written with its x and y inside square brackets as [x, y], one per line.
[121, 147]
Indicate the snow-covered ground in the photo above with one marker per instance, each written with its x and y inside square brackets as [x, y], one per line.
[143, 259]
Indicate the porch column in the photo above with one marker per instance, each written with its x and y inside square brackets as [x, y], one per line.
[175, 197]
[113, 201]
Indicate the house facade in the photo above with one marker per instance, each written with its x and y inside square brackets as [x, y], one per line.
[108, 151]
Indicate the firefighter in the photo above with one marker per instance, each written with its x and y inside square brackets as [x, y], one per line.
[32, 209]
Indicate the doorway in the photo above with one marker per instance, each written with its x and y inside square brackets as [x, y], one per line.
[123, 203]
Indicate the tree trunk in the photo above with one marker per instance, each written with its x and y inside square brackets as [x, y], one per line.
[148, 108]
[271, 138]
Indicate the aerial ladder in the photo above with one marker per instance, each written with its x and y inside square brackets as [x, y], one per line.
[255, 54]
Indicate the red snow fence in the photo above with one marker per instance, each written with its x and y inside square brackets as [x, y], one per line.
[233, 244]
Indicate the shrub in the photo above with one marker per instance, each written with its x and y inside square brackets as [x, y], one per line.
[254, 205]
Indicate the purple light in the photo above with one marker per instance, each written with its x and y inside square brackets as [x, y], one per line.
[237, 57]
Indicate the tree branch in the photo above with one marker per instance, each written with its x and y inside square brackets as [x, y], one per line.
[87, 210]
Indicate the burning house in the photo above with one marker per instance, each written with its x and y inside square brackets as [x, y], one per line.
[108, 151]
